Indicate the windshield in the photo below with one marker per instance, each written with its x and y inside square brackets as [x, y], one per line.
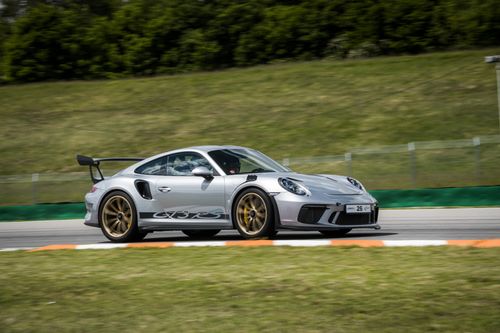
[240, 161]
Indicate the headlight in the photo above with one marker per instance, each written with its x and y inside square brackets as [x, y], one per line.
[292, 186]
[356, 183]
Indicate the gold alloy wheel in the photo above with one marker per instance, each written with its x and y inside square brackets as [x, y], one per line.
[117, 216]
[251, 213]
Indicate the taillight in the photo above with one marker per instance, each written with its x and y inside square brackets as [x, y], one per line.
[93, 189]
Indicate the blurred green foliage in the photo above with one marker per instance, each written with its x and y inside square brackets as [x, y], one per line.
[82, 39]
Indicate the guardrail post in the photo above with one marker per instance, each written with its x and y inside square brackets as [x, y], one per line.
[348, 160]
[476, 141]
[286, 162]
[413, 164]
[34, 180]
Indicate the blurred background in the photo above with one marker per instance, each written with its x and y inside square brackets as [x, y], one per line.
[396, 94]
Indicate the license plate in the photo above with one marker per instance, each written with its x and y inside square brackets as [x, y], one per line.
[358, 209]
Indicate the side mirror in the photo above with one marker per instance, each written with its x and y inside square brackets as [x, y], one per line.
[202, 172]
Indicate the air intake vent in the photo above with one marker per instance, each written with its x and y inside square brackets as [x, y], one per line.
[311, 214]
[142, 187]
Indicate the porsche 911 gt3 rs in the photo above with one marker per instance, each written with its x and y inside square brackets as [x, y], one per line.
[202, 190]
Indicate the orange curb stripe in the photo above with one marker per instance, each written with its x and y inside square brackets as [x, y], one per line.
[479, 243]
[482, 243]
[462, 242]
[361, 243]
[160, 245]
[488, 243]
[261, 242]
[55, 247]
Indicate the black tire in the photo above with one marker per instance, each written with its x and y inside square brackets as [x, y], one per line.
[118, 208]
[335, 233]
[253, 214]
[200, 234]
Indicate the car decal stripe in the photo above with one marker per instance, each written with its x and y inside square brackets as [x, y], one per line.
[478, 243]
[184, 215]
[146, 215]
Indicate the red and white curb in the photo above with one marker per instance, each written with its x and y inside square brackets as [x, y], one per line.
[480, 243]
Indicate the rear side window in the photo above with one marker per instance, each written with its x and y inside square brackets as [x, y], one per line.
[182, 164]
[155, 167]
[179, 164]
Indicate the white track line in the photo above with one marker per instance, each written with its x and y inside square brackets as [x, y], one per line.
[11, 249]
[320, 242]
[299, 243]
[195, 244]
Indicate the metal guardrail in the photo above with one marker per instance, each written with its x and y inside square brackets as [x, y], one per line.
[411, 146]
[475, 161]
[44, 187]
[471, 158]
[36, 177]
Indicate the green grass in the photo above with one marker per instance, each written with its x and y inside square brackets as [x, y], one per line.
[252, 290]
[300, 109]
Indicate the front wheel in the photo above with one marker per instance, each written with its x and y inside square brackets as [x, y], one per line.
[335, 233]
[200, 234]
[118, 218]
[253, 214]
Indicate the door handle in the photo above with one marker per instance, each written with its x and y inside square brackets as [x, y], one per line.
[164, 189]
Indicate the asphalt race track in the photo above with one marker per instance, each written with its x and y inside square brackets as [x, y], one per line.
[407, 224]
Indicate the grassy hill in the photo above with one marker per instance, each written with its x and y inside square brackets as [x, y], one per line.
[285, 110]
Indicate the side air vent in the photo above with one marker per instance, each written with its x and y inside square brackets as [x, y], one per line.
[251, 178]
[142, 187]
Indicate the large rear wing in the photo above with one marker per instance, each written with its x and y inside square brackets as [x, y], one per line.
[94, 163]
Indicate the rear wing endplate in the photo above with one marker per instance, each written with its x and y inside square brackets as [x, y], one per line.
[93, 164]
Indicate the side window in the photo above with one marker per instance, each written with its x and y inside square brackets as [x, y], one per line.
[182, 164]
[154, 167]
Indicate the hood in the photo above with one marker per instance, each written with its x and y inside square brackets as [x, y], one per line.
[328, 184]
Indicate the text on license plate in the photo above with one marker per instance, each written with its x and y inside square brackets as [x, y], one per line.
[353, 209]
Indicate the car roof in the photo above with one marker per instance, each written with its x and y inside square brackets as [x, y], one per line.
[213, 147]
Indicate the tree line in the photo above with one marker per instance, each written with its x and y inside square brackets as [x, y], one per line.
[87, 39]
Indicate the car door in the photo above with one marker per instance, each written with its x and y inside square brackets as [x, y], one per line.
[186, 200]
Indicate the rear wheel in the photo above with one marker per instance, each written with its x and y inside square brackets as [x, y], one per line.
[335, 233]
[118, 218]
[200, 234]
[253, 214]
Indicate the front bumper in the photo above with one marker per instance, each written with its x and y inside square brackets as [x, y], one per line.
[325, 212]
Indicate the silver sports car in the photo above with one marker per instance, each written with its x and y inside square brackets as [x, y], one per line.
[202, 190]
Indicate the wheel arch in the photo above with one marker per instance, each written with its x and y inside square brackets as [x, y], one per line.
[115, 189]
[250, 186]
[134, 233]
